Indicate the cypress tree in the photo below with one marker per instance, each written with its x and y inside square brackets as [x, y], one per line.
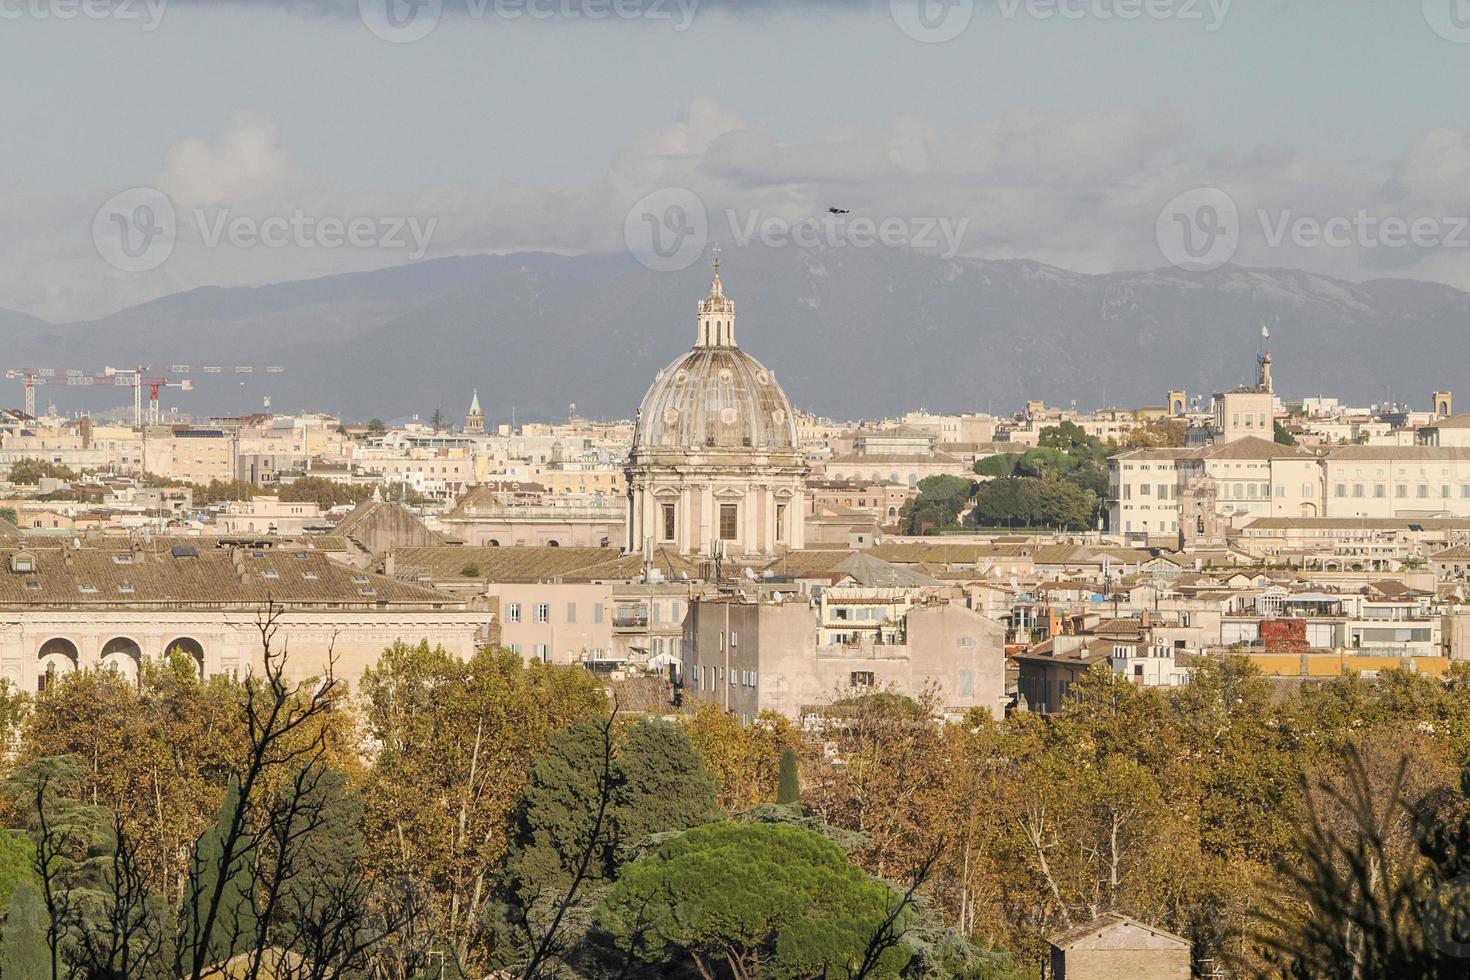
[328, 853]
[661, 785]
[556, 816]
[235, 921]
[23, 950]
[789, 790]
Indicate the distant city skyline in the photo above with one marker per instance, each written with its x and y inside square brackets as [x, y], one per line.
[266, 124]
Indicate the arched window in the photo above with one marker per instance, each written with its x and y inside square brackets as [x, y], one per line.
[189, 647]
[122, 655]
[56, 657]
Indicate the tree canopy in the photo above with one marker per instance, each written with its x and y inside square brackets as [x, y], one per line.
[1028, 501]
[757, 899]
[1068, 470]
[938, 504]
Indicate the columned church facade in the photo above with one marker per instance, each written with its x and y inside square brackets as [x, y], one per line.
[716, 467]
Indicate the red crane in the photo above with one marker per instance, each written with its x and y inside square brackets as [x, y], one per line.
[136, 378]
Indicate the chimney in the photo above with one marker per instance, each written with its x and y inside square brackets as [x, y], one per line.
[1143, 619]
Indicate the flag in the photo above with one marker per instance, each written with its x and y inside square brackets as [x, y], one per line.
[1265, 332]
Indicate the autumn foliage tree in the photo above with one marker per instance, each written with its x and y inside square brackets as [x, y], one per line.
[454, 741]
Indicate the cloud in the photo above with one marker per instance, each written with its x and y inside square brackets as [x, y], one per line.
[242, 163]
[1081, 191]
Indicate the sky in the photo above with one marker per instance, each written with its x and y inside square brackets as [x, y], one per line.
[149, 147]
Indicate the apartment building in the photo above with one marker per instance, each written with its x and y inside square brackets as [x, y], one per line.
[568, 605]
[1373, 542]
[191, 454]
[1397, 481]
[752, 653]
[882, 501]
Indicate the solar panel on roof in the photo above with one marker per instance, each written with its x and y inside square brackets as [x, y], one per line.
[184, 551]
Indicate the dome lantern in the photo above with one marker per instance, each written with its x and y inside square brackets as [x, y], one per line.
[716, 315]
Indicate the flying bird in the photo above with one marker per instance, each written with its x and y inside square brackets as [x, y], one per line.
[838, 211]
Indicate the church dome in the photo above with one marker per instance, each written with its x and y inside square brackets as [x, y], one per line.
[716, 396]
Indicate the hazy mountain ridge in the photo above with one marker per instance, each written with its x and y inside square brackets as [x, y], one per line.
[848, 332]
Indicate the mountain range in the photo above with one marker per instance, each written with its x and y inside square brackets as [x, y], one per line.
[848, 332]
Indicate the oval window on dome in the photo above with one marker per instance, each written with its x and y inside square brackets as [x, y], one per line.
[671, 415]
[681, 376]
[762, 377]
[729, 416]
[779, 417]
[726, 376]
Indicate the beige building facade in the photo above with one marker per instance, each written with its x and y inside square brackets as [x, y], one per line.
[71, 608]
[753, 655]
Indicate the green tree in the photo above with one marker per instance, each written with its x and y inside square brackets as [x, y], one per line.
[1282, 436]
[1029, 501]
[24, 952]
[376, 427]
[1064, 454]
[582, 816]
[73, 843]
[17, 864]
[28, 471]
[1001, 464]
[751, 900]
[1072, 439]
[938, 503]
[556, 815]
[328, 844]
[789, 792]
[437, 420]
[660, 785]
[223, 491]
[8, 516]
[234, 927]
[325, 493]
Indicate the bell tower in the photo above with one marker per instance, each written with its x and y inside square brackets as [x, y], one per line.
[474, 422]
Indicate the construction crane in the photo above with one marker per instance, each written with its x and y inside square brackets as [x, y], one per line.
[31, 377]
[136, 378]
